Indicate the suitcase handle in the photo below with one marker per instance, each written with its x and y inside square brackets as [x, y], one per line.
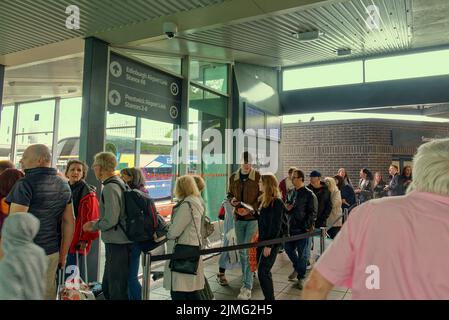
[86, 279]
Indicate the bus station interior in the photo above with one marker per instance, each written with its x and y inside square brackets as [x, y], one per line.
[236, 64]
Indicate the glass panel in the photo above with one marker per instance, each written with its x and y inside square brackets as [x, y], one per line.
[117, 120]
[408, 66]
[67, 148]
[70, 118]
[36, 117]
[155, 161]
[6, 126]
[208, 111]
[69, 131]
[121, 142]
[323, 76]
[23, 141]
[172, 64]
[212, 75]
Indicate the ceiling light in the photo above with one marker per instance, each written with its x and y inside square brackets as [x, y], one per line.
[344, 52]
[308, 36]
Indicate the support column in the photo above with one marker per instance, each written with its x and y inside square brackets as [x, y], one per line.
[2, 80]
[54, 147]
[185, 105]
[93, 121]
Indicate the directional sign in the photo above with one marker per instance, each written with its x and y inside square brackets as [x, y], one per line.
[142, 91]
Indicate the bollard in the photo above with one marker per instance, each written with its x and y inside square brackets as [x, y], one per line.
[322, 240]
[146, 276]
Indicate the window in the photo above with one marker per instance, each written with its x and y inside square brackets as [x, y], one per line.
[209, 74]
[171, 64]
[70, 118]
[121, 138]
[208, 110]
[69, 130]
[155, 160]
[34, 125]
[6, 127]
[416, 65]
[323, 76]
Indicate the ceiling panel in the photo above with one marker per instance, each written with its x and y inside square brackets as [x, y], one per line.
[26, 24]
[59, 78]
[343, 23]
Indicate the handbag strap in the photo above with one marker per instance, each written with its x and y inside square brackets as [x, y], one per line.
[194, 224]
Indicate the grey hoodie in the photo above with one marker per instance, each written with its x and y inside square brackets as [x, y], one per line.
[24, 264]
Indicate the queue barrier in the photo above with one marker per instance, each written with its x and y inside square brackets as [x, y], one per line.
[148, 258]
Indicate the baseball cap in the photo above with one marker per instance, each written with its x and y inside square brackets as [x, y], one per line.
[315, 173]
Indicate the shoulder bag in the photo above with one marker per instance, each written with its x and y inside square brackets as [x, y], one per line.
[186, 257]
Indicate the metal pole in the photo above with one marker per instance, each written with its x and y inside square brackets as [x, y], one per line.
[146, 276]
[322, 238]
[345, 215]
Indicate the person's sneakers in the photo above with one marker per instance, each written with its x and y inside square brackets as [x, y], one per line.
[293, 275]
[221, 279]
[299, 284]
[245, 294]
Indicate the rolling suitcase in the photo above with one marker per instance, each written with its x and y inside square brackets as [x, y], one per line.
[74, 288]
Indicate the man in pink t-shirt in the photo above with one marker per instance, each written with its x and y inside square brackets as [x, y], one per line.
[394, 248]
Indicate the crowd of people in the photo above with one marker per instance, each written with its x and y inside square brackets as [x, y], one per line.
[394, 248]
[47, 221]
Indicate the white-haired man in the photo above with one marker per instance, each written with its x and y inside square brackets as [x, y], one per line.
[394, 248]
[111, 222]
[48, 197]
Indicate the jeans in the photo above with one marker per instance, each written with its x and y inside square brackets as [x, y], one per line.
[308, 249]
[115, 277]
[264, 271]
[134, 286]
[180, 295]
[244, 231]
[295, 251]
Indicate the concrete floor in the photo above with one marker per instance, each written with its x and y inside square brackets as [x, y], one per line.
[283, 288]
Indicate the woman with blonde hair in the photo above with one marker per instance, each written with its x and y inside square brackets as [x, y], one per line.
[185, 229]
[336, 207]
[270, 218]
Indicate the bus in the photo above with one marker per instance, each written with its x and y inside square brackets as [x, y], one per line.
[157, 169]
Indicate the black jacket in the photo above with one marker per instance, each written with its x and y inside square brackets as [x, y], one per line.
[270, 220]
[324, 204]
[395, 187]
[378, 191]
[47, 196]
[304, 211]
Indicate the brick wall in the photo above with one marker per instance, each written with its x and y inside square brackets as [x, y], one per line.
[352, 144]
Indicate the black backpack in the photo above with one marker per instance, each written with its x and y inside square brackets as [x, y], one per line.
[141, 214]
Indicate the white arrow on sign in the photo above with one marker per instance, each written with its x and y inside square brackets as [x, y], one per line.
[114, 97]
[173, 112]
[116, 69]
[174, 89]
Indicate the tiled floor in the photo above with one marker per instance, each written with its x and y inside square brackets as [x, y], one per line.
[283, 288]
